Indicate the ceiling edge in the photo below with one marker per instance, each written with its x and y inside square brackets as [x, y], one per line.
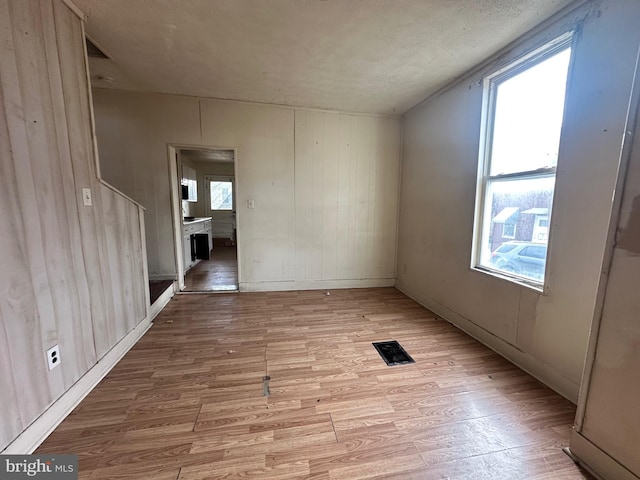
[74, 8]
[556, 18]
[396, 116]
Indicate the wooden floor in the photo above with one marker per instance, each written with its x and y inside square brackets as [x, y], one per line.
[187, 401]
[220, 273]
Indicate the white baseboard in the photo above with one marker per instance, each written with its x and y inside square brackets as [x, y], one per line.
[315, 285]
[534, 367]
[162, 301]
[41, 428]
[597, 462]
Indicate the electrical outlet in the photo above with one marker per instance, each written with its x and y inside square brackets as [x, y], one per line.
[53, 357]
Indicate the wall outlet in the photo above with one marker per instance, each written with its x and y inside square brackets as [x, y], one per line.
[251, 203]
[86, 197]
[53, 357]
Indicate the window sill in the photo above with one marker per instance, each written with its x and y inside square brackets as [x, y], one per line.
[523, 282]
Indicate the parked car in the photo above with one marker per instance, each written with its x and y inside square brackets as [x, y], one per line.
[526, 259]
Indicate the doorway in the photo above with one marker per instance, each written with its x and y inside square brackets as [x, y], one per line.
[205, 218]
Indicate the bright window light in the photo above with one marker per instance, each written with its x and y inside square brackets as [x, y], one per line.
[525, 108]
[221, 195]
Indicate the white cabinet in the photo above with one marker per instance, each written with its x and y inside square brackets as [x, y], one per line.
[186, 251]
[190, 180]
[197, 226]
[209, 231]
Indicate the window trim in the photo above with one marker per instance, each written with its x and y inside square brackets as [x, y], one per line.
[515, 228]
[220, 178]
[489, 83]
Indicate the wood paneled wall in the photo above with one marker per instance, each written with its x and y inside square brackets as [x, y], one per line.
[324, 184]
[72, 275]
[608, 409]
[346, 185]
[545, 334]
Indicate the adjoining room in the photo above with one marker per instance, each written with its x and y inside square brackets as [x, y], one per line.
[208, 203]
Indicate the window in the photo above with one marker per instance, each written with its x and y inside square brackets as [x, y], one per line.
[221, 193]
[522, 122]
[509, 230]
[505, 248]
[534, 252]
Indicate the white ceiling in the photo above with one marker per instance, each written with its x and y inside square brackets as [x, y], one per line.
[205, 155]
[374, 56]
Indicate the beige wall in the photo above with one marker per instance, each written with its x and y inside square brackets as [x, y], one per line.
[545, 334]
[72, 275]
[611, 398]
[325, 200]
[346, 190]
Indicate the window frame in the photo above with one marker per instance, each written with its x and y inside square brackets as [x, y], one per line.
[490, 82]
[513, 235]
[220, 178]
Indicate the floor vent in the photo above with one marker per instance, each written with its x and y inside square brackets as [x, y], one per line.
[393, 353]
[265, 386]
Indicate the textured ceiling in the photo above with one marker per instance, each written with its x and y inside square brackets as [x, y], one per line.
[374, 56]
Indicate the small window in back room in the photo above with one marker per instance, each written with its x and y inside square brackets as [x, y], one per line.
[221, 195]
[517, 168]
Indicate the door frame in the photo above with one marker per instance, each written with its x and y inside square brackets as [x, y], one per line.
[174, 158]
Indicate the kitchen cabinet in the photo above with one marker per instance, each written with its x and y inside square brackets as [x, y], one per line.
[209, 230]
[189, 229]
[186, 250]
[190, 180]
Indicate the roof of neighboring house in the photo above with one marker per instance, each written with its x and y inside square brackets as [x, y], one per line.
[537, 211]
[506, 214]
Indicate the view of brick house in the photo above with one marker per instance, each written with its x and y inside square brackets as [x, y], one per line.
[520, 216]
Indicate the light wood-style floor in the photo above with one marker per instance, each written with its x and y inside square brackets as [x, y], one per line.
[220, 273]
[187, 401]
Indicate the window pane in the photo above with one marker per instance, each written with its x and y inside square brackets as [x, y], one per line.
[534, 252]
[509, 230]
[506, 247]
[221, 195]
[528, 117]
[525, 204]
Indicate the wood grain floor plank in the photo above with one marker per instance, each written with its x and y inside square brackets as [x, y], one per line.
[378, 468]
[188, 400]
[219, 272]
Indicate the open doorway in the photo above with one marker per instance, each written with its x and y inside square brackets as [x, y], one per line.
[205, 219]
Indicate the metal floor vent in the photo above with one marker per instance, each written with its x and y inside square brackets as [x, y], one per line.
[393, 353]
